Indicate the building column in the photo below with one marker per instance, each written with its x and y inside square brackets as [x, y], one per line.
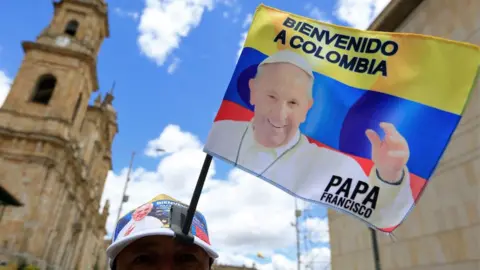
[56, 206]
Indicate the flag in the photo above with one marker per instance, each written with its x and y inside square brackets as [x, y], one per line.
[354, 120]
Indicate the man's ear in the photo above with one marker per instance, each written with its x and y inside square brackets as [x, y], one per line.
[251, 86]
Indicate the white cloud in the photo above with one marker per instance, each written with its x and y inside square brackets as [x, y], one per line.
[317, 258]
[245, 215]
[5, 83]
[173, 65]
[247, 21]
[359, 13]
[315, 13]
[163, 24]
[172, 140]
[225, 258]
[131, 14]
[237, 10]
[279, 262]
[231, 3]
[243, 37]
[317, 229]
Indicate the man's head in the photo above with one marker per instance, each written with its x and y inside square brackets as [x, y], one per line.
[142, 211]
[282, 95]
[162, 252]
[150, 244]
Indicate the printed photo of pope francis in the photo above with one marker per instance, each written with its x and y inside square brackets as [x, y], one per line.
[272, 147]
[145, 216]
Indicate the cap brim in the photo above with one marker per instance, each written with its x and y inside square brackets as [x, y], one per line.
[114, 249]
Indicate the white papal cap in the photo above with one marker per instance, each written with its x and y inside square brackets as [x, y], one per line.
[286, 56]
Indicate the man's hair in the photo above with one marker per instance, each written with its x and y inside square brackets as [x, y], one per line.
[309, 90]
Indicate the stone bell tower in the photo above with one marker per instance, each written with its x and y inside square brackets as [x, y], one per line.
[55, 149]
[58, 72]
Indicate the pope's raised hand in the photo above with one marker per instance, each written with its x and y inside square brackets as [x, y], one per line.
[390, 155]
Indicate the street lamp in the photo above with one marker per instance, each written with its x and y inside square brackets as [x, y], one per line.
[124, 196]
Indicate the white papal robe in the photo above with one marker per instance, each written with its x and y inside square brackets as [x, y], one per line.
[305, 169]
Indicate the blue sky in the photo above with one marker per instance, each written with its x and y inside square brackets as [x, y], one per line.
[178, 78]
[147, 97]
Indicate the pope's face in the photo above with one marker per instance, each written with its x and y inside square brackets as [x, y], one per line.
[280, 94]
[142, 211]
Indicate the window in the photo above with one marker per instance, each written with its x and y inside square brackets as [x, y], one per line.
[77, 106]
[44, 89]
[71, 28]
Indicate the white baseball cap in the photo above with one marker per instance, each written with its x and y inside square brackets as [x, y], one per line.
[287, 56]
[153, 218]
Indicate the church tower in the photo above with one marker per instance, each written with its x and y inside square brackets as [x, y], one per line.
[55, 148]
[58, 73]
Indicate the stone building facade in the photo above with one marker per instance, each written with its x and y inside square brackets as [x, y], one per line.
[55, 148]
[443, 231]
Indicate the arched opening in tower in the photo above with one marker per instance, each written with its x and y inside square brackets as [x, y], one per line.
[71, 28]
[44, 89]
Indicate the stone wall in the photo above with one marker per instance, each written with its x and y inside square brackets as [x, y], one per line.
[43, 148]
[443, 231]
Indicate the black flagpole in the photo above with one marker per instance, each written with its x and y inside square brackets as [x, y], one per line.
[181, 217]
[376, 255]
[196, 194]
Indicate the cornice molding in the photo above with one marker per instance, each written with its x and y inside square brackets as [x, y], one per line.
[85, 57]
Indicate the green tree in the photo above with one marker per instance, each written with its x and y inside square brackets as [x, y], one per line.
[96, 267]
[22, 263]
[32, 267]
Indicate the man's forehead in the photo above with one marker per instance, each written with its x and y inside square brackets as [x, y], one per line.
[162, 243]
